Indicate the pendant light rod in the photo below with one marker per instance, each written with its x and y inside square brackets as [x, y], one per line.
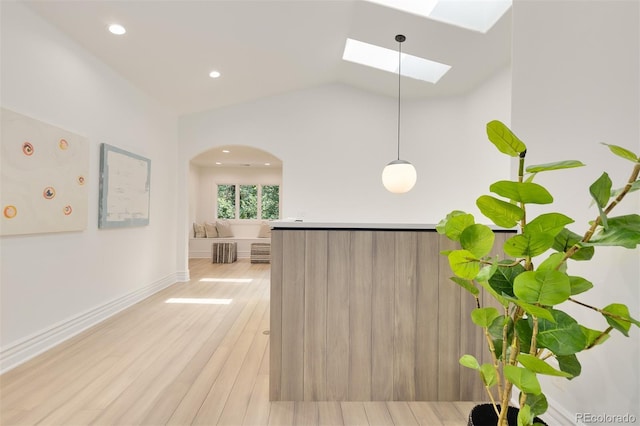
[399, 38]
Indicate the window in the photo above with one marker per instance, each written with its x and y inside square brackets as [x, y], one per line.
[248, 202]
[226, 202]
[270, 202]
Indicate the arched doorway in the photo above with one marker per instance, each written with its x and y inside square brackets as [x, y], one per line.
[236, 183]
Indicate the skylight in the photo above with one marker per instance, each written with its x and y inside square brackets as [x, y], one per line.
[476, 15]
[387, 60]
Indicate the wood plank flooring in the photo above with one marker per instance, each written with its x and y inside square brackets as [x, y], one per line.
[198, 361]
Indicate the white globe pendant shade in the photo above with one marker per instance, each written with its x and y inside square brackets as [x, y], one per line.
[399, 176]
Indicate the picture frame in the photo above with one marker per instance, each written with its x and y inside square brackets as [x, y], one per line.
[44, 172]
[125, 181]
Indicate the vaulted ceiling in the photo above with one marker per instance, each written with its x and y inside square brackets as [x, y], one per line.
[266, 47]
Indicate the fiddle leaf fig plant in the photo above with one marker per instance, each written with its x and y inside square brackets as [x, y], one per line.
[527, 332]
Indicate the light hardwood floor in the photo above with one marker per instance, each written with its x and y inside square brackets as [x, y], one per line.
[160, 363]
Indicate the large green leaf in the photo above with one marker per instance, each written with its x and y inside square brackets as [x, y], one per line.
[619, 310]
[440, 226]
[502, 279]
[466, 284]
[567, 239]
[553, 263]
[600, 190]
[569, 364]
[469, 361]
[493, 293]
[524, 379]
[595, 337]
[528, 245]
[496, 329]
[524, 330]
[484, 317]
[542, 287]
[538, 404]
[525, 416]
[579, 285]
[558, 165]
[478, 239]
[562, 337]
[623, 231]
[500, 212]
[455, 223]
[531, 309]
[489, 375]
[623, 152]
[548, 223]
[504, 139]
[464, 264]
[487, 271]
[523, 192]
[539, 366]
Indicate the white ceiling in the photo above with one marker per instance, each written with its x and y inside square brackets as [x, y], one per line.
[266, 47]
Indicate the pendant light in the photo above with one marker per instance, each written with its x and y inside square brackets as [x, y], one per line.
[399, 176]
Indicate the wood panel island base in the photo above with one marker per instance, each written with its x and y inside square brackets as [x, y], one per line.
[364, 312]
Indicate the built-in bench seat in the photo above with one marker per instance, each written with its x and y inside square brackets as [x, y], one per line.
[244, 234]
[201, 247]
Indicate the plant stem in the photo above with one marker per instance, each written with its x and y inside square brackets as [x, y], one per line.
[605, 313]
[587, 236]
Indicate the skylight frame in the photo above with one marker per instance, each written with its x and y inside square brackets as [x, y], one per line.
[385, 59]
[473, 15]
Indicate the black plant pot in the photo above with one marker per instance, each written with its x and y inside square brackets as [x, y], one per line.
[485, 415]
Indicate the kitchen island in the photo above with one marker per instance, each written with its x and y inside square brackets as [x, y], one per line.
[366, 312]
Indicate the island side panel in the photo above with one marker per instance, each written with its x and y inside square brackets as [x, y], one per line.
[293, 275]
[275, 301]
[339, 259]
[315, 316]
[448, 328]
[405, 316]
[360, 318]
[427, 317]
[383, 315]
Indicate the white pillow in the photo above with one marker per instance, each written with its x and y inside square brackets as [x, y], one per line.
[265, 230]
[224, 229]
[211, 230]
[198, 230]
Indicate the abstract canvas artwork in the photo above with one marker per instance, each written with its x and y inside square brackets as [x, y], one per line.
[124, 188]
[43, 177]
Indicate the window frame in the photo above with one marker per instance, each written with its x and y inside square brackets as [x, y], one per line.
[237, 201]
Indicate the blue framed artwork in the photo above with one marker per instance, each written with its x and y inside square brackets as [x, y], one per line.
[124, 188]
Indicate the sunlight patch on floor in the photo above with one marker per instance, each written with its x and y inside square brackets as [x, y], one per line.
[226, 280]
[199, 301]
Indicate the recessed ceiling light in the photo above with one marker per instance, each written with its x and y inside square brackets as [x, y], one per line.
[218, 163]
[214, 74]
[267, 164]
[226, 151]
[117, 29]
[387, 60]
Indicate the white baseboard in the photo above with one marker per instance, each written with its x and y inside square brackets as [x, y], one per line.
[37, 343]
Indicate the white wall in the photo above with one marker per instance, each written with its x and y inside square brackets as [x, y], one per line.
[334, 142]
[51, 283]
[576, 83]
